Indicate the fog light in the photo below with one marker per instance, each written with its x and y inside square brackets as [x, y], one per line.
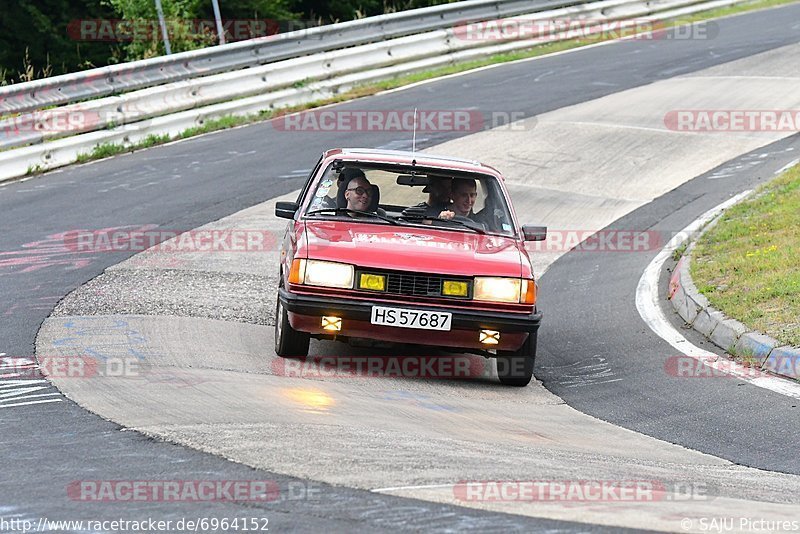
[490, 337]
[330, 322]
[455, 288]
[372, 282]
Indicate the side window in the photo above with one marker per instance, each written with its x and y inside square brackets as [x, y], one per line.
[327, 190]
[304, 190]
[480, 200]
[495, 212]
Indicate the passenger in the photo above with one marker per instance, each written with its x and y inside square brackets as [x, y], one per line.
[492, 217]
[464, 193]
[438, 190]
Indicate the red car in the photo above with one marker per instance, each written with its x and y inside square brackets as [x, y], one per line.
[409, 248]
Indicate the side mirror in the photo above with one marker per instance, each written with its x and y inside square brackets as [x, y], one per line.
[286, 210]
[534, 233]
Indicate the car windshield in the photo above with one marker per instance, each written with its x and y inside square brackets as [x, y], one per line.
[395, 195]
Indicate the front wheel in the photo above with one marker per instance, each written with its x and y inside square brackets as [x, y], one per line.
[515, 368]
[289, 343]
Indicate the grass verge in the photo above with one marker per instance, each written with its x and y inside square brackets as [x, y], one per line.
[230, 121]
[748, 264]
[105, 150]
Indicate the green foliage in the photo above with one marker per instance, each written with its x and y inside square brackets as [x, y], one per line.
[746, 265]
[278, 10]
[342, 10]
[35, 40]
[101, 151]
[34, 169]
[105, 150]
[153, 140]
[677, 254]
[220, 123]
[147, 42]
[39, 38]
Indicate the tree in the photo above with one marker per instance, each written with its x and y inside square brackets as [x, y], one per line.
[141, 25]
[39, 29]
[43, 37]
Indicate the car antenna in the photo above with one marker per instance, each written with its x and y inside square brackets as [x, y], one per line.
[414, 135]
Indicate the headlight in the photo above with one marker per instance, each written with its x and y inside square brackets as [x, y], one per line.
[323, 273]
[497, 289]
[504, 290]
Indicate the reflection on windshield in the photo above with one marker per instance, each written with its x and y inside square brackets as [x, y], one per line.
[472, 203]
[329, 232]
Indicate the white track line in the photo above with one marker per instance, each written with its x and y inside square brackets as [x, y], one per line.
[787, 166]
[29, 403]
[406, 488]
[647, 303]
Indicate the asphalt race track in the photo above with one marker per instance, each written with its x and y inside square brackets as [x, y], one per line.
[595, 352]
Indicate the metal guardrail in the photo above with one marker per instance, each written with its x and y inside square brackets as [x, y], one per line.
[137, 105]
[104, 81]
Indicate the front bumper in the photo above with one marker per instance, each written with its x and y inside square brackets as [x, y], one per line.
[305, 312]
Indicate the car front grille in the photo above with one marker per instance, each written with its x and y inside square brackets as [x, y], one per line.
[417, 285]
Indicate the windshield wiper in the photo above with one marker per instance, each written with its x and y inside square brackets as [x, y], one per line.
[337, 211]
[468, 223]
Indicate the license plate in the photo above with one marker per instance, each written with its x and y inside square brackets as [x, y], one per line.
[404, 318]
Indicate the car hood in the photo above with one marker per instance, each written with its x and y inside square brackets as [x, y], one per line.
[409, 248]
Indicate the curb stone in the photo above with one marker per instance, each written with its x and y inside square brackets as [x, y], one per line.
[728, 334]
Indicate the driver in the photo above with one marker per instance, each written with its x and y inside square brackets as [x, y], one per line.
[358, 193]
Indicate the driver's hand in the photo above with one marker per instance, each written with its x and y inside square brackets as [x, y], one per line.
[447, 214]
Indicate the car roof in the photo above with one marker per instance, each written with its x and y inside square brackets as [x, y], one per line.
[422, 159]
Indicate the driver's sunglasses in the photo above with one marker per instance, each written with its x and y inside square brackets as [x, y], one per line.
[360, 191]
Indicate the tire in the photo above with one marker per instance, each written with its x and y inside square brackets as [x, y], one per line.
[289, 343]
[515, 368]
